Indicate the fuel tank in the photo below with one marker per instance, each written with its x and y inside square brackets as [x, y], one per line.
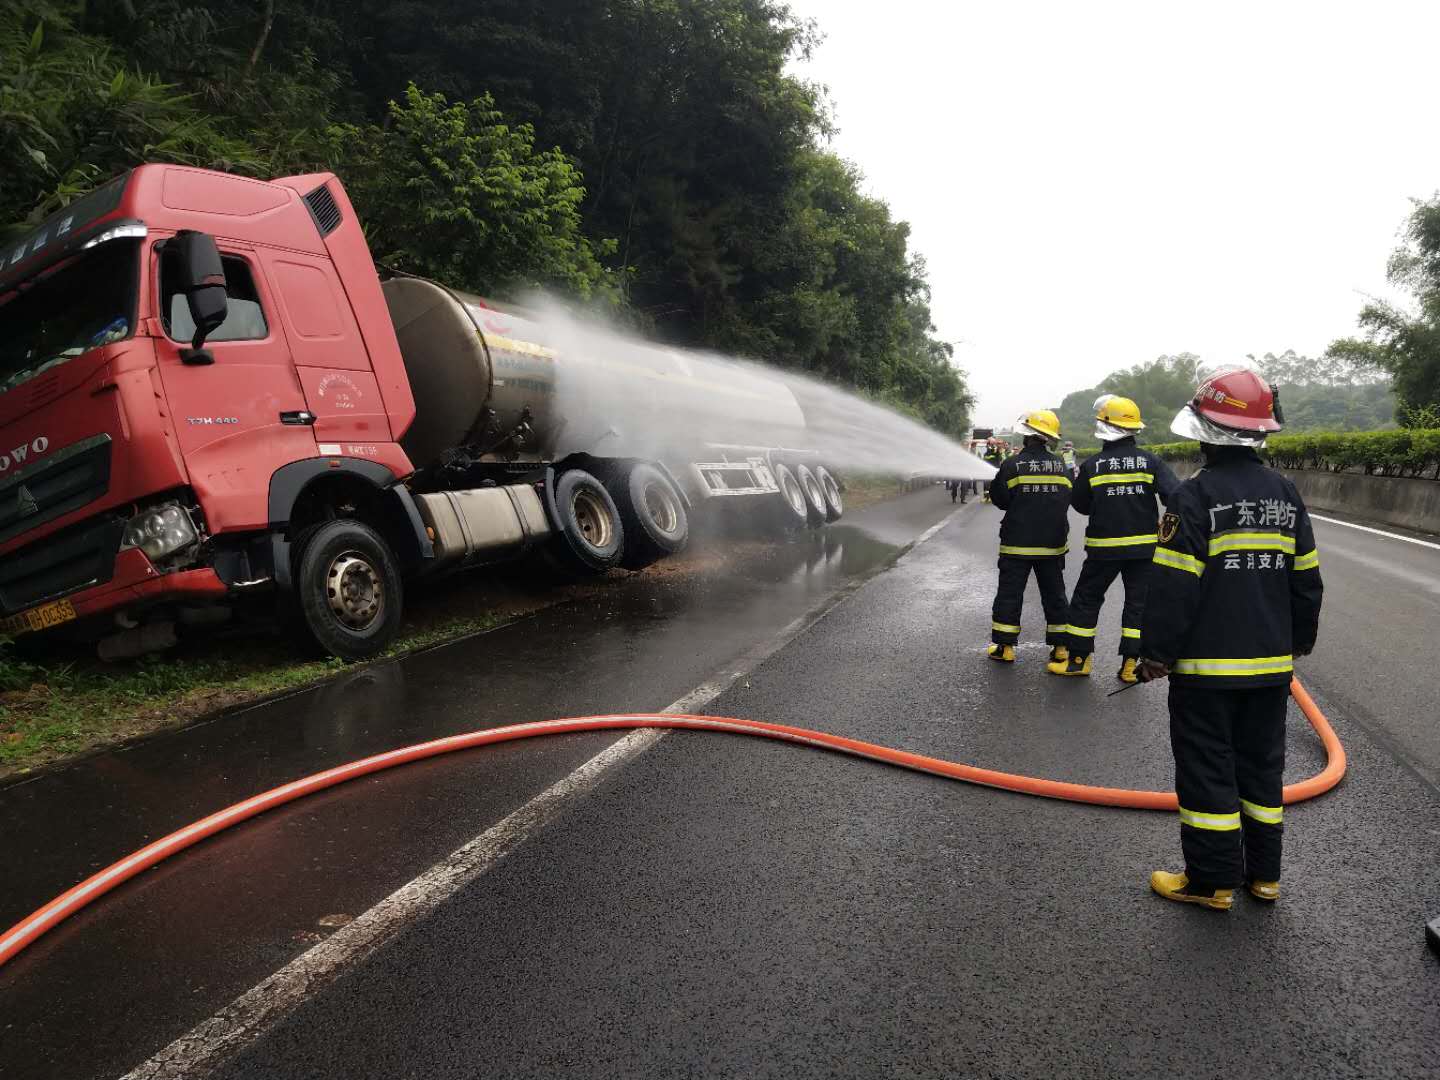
[478, 368]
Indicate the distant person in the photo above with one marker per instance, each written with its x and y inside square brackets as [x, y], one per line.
[1067, 454]
[1117, 489]
[994, 455]
[1234, 599]
[1033, 488]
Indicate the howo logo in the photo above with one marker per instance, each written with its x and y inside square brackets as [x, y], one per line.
[18, 455]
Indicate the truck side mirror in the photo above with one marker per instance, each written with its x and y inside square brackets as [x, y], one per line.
[202, 280]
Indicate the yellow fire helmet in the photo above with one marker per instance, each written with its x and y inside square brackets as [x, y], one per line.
[1116, 417]
[1042, 422]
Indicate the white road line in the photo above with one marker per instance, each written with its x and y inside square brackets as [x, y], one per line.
[240, 1022]
[247, 1017]
[1377, 532]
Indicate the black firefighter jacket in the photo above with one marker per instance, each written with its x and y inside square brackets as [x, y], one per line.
[1033, 488]
[1235, 592]
[1117, 489]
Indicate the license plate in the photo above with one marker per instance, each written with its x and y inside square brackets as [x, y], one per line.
[40, 618]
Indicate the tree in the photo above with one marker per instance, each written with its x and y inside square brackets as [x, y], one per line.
[453, 192]
[1159, 387]
[1406, 344]
[72, 114]
[690, 184]
[1331, 394]
[1328, 393]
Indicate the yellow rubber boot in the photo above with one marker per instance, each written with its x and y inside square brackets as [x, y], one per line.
[1127, 670]
[1071, 665]
[1176, 887]
[1269, 891]
[1004, 653]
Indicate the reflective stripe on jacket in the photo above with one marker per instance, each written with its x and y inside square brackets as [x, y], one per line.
[1236, 589]
[1033, 488]
[1117, 488]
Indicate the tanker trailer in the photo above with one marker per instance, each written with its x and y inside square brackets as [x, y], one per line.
[617, 441]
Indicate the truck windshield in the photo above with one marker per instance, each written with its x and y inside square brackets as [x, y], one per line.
[88, 303]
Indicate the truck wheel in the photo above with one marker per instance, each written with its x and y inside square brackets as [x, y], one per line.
[651, 512]
[814, 497]
[834, 505]
[793, 507]
[592, 537]
[347, 588]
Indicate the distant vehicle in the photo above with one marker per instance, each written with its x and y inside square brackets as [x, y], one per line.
[207, 392]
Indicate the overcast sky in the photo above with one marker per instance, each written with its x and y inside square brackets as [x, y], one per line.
[1096, 183]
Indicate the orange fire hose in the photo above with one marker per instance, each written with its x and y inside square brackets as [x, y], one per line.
[29, 930]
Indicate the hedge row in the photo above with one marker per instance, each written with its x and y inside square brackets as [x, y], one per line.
[1406, 452]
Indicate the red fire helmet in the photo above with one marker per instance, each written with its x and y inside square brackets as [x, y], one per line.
[1235, 405]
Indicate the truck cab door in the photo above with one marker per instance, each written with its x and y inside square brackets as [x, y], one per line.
[243, 416]
[331, 360]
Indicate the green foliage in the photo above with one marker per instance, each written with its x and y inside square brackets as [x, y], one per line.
[1423, 416]
[1177, 451]
[689, 186]
[15, 672]
[1406, 452]
[1159, 387]
[453, 192]
[73, 114]
[1406, 344]
[1329, 394]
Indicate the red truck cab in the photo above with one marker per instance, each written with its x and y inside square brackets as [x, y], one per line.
[137, 470]
[207, 393]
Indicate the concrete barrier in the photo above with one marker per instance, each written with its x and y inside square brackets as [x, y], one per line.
[1387, 500]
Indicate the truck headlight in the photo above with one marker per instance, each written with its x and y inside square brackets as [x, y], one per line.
[160, 531]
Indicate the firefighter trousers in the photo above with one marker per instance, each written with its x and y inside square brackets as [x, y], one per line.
[1229, 750]
[1010, 597]
[1096, 577]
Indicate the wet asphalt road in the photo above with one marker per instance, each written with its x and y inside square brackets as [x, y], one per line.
[720, 907]
[168, 949]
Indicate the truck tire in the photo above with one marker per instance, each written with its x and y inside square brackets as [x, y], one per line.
[591, 536]
[834, 504]
[651, 511]
[814, 497]
[792, 507]
[348, 596]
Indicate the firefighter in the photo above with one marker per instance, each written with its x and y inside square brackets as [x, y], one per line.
[994, 455]
[1067, 454]
[1116, 489]
[1234, 598]
[1033, 488]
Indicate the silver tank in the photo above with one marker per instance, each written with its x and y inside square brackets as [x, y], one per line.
[586, 390]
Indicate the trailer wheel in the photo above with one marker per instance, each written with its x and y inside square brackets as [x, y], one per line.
[651, 511]
[792, 506]
[834, 504]
[347, 590]
[592, 536]
[814, 497]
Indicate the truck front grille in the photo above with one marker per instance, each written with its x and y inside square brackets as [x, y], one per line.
[65, 480]
[61, 563]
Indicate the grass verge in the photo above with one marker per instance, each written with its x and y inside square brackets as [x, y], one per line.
[57, 709]
[64, 702]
